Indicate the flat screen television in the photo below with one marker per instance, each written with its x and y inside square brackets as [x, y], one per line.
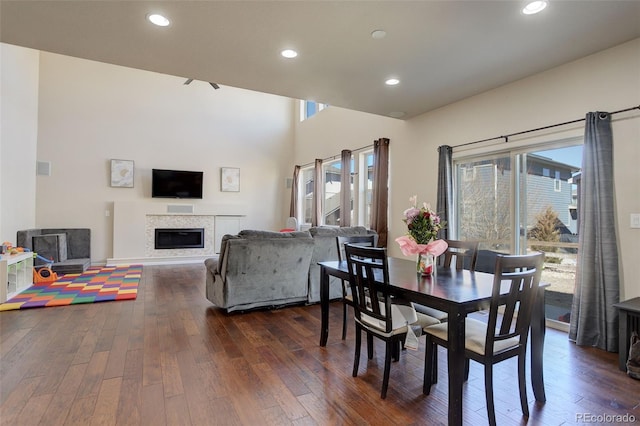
[176, 184]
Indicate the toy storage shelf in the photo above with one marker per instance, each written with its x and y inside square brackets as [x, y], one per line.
[16, 274]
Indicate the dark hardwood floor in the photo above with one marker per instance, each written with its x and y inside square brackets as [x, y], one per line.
[171, 357]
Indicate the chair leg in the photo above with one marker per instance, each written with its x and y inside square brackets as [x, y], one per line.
[344, 321]
[396, 350]
[434, 363]
[369, 346]
[466, 369]
[488, 390]
[387, 366]
[427, 381]
[522, 384]
[356, 358]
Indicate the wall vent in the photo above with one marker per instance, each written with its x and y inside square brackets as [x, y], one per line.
[180, 208]
[43, 168]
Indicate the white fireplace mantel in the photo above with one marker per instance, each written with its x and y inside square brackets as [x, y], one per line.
[133, 223]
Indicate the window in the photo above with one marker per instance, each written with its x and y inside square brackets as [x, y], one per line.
[362, 188]
[511, 207]
[361, 184]
[483, 202]
[309, 108]
[332, 188]
[306, 196]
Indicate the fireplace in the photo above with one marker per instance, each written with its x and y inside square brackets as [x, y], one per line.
[176, 238]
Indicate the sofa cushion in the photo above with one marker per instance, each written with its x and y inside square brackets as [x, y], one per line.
[51, 246]
[71, 266]
[78, 241]
[25, 238]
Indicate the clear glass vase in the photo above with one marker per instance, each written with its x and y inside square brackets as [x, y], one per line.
[425, 264]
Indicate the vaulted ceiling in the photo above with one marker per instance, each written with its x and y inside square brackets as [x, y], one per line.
[441, 51]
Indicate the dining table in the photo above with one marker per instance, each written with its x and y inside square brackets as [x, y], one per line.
[456, 292]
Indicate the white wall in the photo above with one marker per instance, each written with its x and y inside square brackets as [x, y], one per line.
[18, 139]
[92, 112]
[606, 81]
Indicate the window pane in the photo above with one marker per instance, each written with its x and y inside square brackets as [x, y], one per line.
[332, 185]
[307, 195]
[351, 191]
[549, 213]
[311, 108]
[484, 189]
[368, 189]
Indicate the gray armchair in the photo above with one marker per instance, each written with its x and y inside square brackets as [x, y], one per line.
[259, 269]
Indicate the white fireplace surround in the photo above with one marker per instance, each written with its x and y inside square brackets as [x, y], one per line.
[134, 225]
[154, 221]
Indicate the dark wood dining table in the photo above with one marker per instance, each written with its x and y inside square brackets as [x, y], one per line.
[457, 292]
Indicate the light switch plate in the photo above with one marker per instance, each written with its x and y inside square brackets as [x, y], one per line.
[635, 220]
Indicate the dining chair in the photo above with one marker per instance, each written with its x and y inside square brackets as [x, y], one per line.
[369, 240]
[387, 321]
[465, 254]
[504, 335]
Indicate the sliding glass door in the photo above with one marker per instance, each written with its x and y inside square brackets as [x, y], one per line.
[523, 201]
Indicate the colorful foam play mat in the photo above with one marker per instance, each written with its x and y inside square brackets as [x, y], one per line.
[96, 284]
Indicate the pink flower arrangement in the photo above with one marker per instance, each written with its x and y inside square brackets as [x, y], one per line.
[423, 225]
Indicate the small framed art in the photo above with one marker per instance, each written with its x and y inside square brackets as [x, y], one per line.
[229, 179]
[122, 173]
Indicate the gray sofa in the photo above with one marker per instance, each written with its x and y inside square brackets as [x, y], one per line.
[68, 248]
[259, 269]
[269, 269]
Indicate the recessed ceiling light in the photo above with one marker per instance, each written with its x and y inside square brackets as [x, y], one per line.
[378, 34]
[288, 53]
[158, 20]
[533, 7]
[392, 82]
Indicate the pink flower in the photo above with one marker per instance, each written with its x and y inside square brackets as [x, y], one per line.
[410, 214]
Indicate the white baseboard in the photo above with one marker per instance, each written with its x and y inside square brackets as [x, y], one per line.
[169, 260]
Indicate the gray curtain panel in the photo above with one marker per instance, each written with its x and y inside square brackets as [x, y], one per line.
[316, 214]
[380, 191]
[444, 206]
[345, 188]
[594, 320]
[294, 192]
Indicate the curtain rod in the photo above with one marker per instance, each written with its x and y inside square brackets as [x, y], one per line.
[506, 137]
[335, 156]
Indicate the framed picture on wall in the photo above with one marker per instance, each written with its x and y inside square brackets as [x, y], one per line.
[122, 173]
[229, 179]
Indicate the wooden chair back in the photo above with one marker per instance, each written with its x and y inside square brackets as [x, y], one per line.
[464, 252]
[521, 273]
[368, 270]
[369, 240]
